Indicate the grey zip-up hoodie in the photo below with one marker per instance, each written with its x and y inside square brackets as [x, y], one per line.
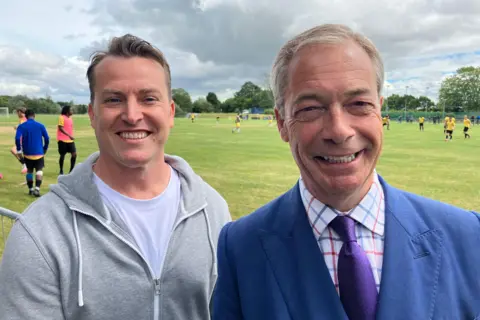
[68, 257]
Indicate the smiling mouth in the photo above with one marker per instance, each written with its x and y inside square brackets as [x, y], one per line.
[342, 159]
[133, 135]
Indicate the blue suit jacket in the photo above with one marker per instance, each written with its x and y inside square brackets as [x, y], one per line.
[270, 266]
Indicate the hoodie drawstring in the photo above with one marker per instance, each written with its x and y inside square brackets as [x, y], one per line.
[80, 260]
[210, 241]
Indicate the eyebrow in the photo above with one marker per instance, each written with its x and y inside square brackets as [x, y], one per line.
[308, 96]
[318, 97]
[356, 92]
[113, 91]
[141, 91]
[149, 90]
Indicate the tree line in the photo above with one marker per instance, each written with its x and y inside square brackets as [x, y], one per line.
[249, 96]
[44, 105]
[459, 92]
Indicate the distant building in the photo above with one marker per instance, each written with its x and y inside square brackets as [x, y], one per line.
[257, 110]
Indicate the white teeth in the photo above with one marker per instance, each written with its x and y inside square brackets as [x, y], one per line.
[134, 135]
[345, 159]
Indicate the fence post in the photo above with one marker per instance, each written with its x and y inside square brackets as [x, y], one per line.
[11, 215]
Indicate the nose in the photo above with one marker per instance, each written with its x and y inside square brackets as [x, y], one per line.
[133, 112]
[337, 127]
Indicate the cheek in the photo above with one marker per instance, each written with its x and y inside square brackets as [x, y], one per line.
[371, 128]
[302, 135]
[308, 131]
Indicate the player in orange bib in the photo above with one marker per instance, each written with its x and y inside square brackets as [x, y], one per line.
[21, 119]
[65, 138]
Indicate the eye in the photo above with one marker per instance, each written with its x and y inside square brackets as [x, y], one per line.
[360, 104]
[112, 100]
[309, 113]
[308, 109]
[150, 99]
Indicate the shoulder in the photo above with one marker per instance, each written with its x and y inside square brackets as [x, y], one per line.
[47, 221]
[454, 222]
[217, 206]
[41, 212]
[257, 221]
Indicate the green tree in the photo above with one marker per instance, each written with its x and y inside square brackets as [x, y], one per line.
[179, 112]
[396, 102]
[17, 101]
[80, 108]
[229, 105]
[4, 101]
[182, 98]
[248, 96]
[461, 91]
[213, 100]
[425, 104]
[263, 99]
[202, 105]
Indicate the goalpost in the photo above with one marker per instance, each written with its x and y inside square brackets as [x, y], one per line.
[4, 112]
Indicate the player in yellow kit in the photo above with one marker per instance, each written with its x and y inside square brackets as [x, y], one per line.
[237, 125]
[386, 122]
[421, 121]
[466, 126]
[450, 126]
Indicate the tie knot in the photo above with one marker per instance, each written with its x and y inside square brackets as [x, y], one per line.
[344, 226]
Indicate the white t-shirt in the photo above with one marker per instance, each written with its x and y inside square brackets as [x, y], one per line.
[149, 221]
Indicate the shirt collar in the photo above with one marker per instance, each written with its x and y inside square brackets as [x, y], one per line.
[370, 212]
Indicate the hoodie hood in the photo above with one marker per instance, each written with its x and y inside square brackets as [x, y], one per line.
[80, 193]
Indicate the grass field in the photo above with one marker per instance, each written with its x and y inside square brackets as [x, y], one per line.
[255, 166]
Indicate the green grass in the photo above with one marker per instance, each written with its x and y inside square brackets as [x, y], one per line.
[253, 167]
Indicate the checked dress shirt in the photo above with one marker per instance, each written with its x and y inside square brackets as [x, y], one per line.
[369, 216]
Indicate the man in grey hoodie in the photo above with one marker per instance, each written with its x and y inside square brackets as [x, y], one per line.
[132, 232]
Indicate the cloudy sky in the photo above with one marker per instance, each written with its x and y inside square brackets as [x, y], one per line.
[217, 45]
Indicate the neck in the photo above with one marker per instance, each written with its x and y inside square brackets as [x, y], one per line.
[342, 201]
[141, 183]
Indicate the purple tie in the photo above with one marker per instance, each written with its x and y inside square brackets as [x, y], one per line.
[358, 291]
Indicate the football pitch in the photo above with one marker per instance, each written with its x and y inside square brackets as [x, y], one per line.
[255, 166]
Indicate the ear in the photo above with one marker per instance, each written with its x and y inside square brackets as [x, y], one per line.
[172, 113]
[91, 114]
[381, 102]
[281, 125]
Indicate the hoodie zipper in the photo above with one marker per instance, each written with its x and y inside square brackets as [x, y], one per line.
[156, 300]
[156, 282]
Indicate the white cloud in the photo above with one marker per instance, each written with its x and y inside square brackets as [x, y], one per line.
[19, 88]
[216, 45]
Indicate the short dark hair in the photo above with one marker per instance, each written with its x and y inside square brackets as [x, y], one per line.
[128, 46]
[29, 113]
[66, 110]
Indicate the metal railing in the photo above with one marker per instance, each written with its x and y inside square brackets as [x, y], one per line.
[7, 219]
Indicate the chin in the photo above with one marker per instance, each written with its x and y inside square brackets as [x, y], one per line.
[134, 160]
[343, 184]
[340, 184]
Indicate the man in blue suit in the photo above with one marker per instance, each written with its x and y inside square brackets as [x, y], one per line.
[343, 243]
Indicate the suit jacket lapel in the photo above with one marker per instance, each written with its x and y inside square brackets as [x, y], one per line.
[411, 263]
[298, 264]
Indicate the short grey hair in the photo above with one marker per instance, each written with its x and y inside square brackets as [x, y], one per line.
[128, 46]
[323, 34]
